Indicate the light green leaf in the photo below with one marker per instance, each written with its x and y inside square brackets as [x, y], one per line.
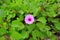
[17, 24]
[57, 26]
[37, 33]
[2, 38]
[53, 38]
[42, 19]
[49, 34]
[32, 39]
[1, 20]
[2, 31]
[25, 34]
[15, 36]
[30, 27]
[41, 26]
[34, 34]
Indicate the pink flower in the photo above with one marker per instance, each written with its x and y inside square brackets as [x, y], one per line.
[29, 19]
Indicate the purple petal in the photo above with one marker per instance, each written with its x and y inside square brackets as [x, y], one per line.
[31, 17]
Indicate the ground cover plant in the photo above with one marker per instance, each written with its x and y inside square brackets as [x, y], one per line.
[29, 19]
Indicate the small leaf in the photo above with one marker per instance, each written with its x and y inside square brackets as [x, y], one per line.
[1, 20]
[49, 34]
[34, 34]
[47, 28]
[17, 24]
[32, 39]
[7, 1]
[30, 27]
[5, 25]
[53, 38]
[1, 12]
[2, 31]
[2, 38]
[15, 36]
[57, 26]
[41, 26]
[24, 34]
[42, 19]
[37, 34]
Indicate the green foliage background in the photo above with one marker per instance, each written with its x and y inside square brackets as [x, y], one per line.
[13, 12]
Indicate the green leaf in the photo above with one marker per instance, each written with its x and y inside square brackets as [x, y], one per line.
[15, 36]
[2, 31]
[58, 1]
[11, 15]
[21, 17]
[7, 1]
[17, 24]
[41, 26]
[51, 14]
[37, 34]
[49, 34]
[1, 20]
[50, 1]
[30, 27]
[25, 34]
[53, 38]
[2, 38]
[47, 28]
[35, 11]
[42, 19]
[21, 12]
[57, 26]
[32, 39]
[5, 25]
[1, 12]
[34, 34]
